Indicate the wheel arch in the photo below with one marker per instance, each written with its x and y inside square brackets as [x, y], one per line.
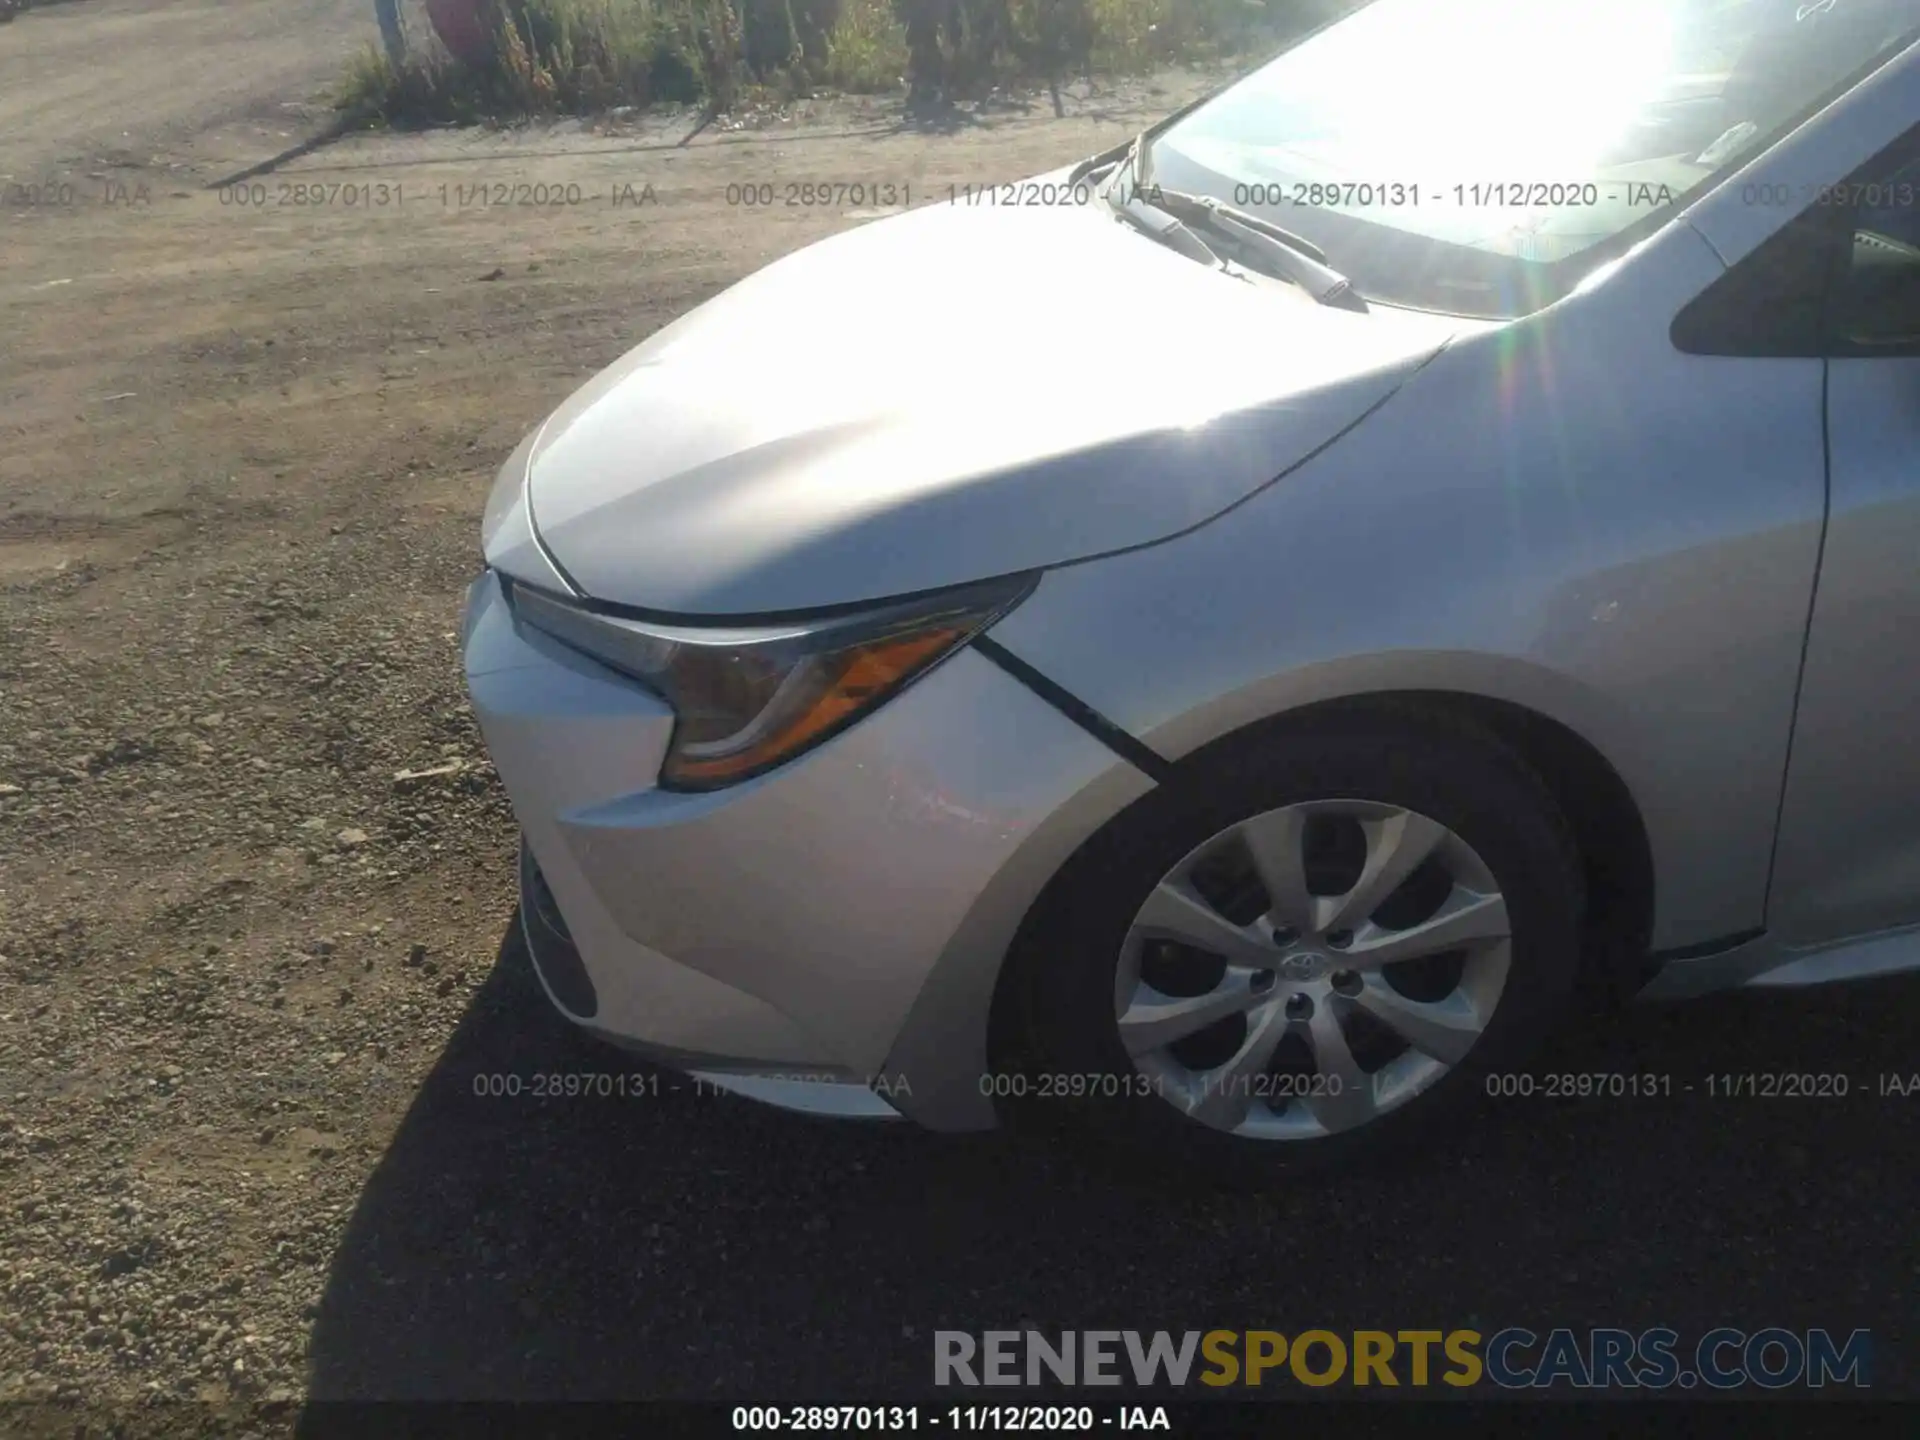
[1594, 799]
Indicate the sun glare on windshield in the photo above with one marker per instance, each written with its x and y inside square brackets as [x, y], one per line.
[1479, 156]
[1511, 85]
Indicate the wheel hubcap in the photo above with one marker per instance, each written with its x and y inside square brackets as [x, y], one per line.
[1312, 968]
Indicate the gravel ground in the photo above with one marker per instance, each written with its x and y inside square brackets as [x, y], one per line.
[256, 873]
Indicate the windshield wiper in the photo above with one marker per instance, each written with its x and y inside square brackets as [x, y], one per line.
[1280, 251]
[1140, 160]
[1106, 159]
[1171, 232]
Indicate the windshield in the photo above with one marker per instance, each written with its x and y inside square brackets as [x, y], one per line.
[1480, 156]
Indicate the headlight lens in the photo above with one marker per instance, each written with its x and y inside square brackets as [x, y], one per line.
[746, 700]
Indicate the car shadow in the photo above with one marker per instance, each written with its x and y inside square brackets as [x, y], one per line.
[652, 1244]
[683, 1244]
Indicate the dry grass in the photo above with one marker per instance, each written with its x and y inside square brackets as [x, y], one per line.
[581, 56]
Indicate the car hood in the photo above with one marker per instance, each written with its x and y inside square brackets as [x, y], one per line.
[955, 393]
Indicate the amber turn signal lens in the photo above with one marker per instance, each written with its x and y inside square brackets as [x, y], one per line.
[845, 685]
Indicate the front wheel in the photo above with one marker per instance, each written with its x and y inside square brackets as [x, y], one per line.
[1306, 947]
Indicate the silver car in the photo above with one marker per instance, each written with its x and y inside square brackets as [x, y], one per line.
[1221, 649]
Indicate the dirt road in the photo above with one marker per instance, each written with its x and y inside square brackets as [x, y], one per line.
[249, 978]
[245, 435]
[144, 82]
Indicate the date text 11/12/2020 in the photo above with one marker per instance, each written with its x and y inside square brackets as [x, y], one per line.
[1277, 1088]
[1744, 1085]
[651, 1084]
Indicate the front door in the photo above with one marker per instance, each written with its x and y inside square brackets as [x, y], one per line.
[1848, 861]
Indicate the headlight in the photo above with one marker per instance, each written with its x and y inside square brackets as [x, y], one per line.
[746, 700]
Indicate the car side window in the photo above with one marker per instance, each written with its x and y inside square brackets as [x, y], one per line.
[1841, 278]
[1773, 303]
[1876, 303]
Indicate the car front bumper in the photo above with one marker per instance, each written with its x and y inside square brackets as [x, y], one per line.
[826, 936]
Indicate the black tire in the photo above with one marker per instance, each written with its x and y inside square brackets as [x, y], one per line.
[1063, 972]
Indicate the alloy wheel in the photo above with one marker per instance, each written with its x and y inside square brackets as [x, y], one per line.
[1311, 968]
